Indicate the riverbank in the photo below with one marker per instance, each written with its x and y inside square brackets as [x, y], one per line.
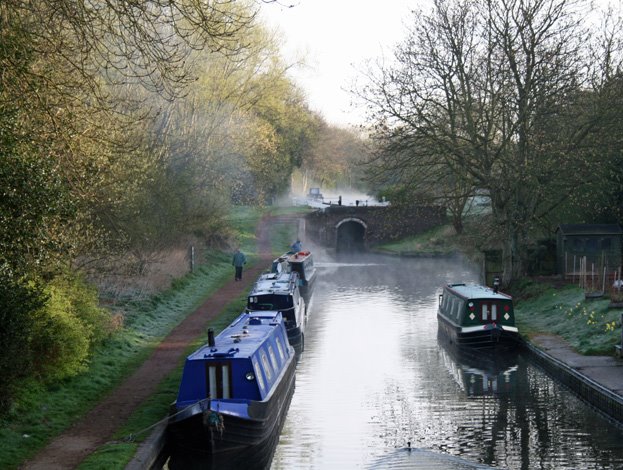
[596, 379]
[573, 339]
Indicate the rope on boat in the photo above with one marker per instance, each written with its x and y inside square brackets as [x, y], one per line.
[132, 437]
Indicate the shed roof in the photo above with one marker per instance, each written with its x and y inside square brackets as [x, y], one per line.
[590, 229]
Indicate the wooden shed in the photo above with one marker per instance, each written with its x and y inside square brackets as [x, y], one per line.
[599, 243]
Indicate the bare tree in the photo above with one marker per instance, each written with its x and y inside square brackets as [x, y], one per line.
[491, 92]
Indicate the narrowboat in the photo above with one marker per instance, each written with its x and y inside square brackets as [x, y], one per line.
[301, 262]
[281, 292]
[235, 391]
[478, 316]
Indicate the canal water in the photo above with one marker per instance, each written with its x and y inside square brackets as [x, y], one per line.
[377, 388]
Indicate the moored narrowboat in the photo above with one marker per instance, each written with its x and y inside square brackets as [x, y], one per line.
[302, 263]
[235, 391]
[280, 291]
[477, 316]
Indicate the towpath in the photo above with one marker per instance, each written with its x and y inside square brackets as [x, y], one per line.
[98, 426]
[597, 379]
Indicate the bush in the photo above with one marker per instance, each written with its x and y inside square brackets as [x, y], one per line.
[18, 300]
[67, 327]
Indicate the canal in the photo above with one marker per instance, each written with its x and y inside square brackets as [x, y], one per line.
[377, 388]
[374, 377]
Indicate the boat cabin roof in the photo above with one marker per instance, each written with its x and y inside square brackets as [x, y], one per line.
[476, 291]
[241, 338]
[281, 283]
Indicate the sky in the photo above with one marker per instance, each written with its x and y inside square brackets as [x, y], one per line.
[337, 37]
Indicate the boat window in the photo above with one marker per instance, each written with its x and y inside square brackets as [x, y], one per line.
[280, 349]
[494, 312]
[270, 302]
[258, 374]
[218, 380]
[457, 308]
[484, 311]
[273, 359]
[267, 368]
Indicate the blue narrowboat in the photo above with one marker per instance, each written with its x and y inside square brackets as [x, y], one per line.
[302, 263]
[235, 391]
[280, 291]
[477, 316]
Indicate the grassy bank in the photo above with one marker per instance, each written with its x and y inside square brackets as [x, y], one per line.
[42, 412]
[589, 326]
[435, 242]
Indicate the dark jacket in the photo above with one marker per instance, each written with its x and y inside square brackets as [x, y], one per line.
[239, 259]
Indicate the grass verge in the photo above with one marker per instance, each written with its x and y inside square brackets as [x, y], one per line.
[589, 326]
[437, 241]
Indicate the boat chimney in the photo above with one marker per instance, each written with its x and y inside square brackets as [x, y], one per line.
[211, 342]
[496, 284]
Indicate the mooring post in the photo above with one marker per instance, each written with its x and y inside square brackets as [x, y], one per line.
[192, 259]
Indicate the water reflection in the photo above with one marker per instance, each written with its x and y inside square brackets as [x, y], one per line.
[484, 371]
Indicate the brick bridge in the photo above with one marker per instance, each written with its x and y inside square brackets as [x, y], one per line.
[358, 228]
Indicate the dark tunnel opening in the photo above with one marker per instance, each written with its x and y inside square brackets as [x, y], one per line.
[350, 237]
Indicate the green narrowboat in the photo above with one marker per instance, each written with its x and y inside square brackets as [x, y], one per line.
[478, 316]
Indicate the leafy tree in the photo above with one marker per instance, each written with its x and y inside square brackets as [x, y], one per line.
[75, 151]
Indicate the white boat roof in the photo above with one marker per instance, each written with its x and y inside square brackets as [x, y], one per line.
[477, 291]
[273, 283]
[242, 337]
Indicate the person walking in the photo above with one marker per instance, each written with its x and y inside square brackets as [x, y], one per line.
[238, 262]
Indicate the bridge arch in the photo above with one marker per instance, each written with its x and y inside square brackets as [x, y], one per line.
[350, 234]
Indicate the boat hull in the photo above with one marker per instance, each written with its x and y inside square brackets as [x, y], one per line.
[307, 289]
[224, 436]
[296, 338]
[490, 335]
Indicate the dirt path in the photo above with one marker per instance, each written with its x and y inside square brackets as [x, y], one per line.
[98, 426]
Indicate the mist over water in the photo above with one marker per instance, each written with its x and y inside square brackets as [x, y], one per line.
[374, 378]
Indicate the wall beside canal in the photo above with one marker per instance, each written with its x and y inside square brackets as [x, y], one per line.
[585, 375]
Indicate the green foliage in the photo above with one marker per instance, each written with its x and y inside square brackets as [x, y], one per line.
[67, 328]
[18, 300]
[33, 202]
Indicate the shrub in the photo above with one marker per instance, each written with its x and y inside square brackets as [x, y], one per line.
[67, 327]
[18, 300]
